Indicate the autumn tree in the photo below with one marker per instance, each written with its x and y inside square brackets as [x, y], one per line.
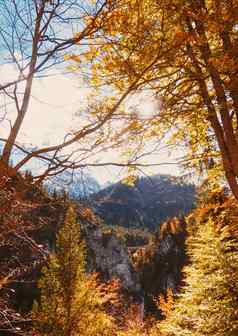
[37, 38]
[208, 303]
[72, 303]
[185, 54]
[34, 38]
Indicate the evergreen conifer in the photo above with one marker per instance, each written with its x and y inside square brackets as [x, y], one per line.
[208, 304]
[71, 301]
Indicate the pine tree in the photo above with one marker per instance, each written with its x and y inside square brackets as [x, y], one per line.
[209, 303]
[71, 301]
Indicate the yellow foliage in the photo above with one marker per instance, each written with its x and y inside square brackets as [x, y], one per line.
[130, 180]
[72, 302]
[185, 53]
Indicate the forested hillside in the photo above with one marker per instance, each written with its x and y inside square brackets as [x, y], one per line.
[30, 221]
[146, 204]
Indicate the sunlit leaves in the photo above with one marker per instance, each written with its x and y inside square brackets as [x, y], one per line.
[72, 302]
[185, 53]
[208, 303]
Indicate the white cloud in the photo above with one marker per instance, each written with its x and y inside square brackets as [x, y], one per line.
[144, 103]
[8, 73]
[55, 100]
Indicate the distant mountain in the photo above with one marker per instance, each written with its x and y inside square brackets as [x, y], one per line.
[147, 204]
[78, 186]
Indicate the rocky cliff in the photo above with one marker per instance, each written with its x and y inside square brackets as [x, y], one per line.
[108, 256]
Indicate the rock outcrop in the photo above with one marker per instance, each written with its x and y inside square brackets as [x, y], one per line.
[108, 256]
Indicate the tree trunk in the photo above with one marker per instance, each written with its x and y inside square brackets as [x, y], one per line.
[225, 135]
[21, 112]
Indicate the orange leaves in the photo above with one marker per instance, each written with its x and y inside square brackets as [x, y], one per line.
[169, 47]
[108, 292]
[165, 303]
[88, 215]
[73, 57]
[180, 38]
[119, 50]
[76, 58]
[3, 181]
[115, 16]
[224, 62]
[4, 281]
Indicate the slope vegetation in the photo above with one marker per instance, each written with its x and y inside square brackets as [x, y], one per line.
[146, 204]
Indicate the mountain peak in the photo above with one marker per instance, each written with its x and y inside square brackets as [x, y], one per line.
[146, 204]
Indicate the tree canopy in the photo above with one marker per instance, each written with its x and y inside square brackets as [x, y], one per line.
[207, 304]
[185, 52]
[34, 39]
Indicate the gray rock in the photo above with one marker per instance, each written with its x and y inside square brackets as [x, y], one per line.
[108, 256]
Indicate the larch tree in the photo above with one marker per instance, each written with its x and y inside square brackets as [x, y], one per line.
[72, 302]
[185, 53]
[208, 304]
